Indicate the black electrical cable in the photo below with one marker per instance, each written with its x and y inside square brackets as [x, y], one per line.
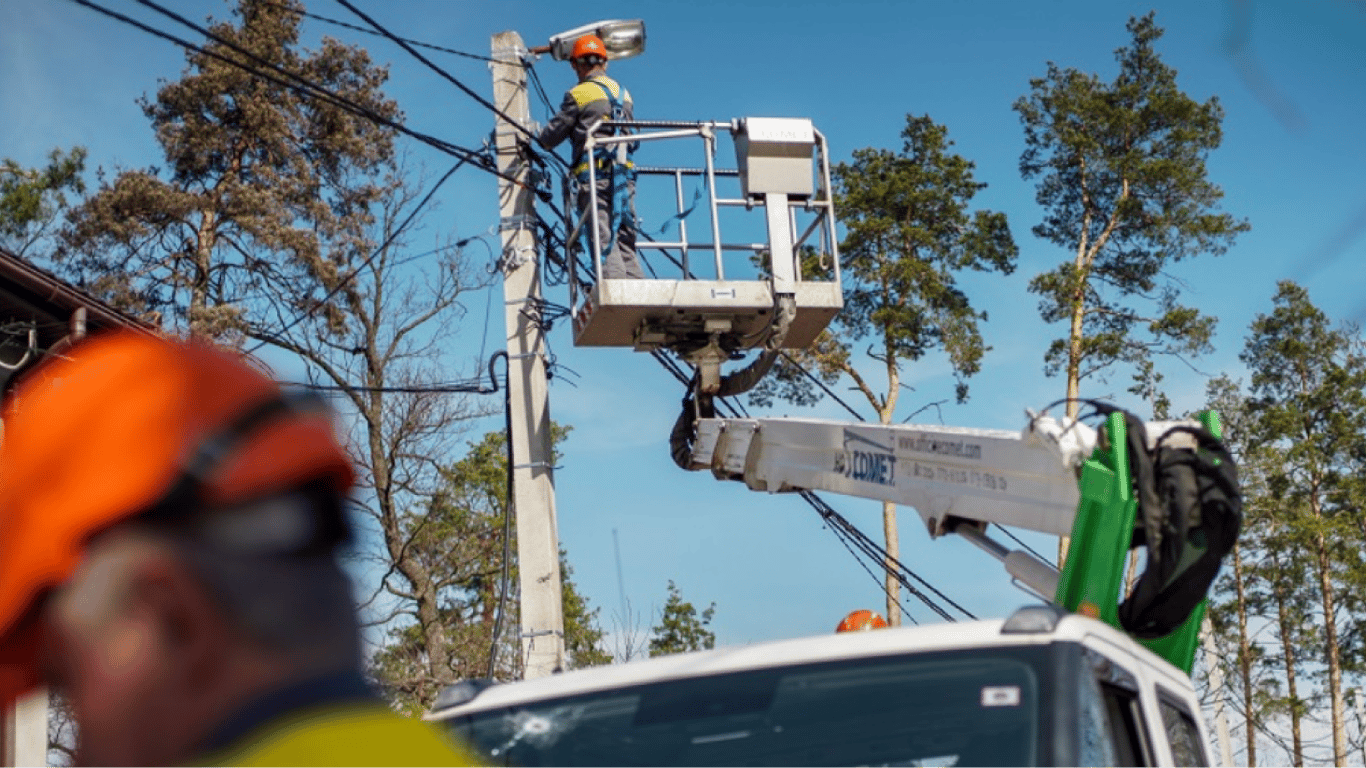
[363, 30]
[873, 548]
[1017, 540]
[507, 512]
[443, 73]
[352, 275]
[540, 90]
[471, 387]
[862, 561]
[840, 525]
[300, 84]
[823, 386]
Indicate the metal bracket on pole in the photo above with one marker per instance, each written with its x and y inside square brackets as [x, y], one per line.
[534, 465]
[518, 221]
[505, 52]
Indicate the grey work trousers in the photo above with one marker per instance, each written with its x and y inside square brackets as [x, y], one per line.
[619, 253]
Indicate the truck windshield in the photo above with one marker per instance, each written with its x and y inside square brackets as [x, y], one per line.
[956, 708]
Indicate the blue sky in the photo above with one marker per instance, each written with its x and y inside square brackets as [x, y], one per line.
[1292, 164]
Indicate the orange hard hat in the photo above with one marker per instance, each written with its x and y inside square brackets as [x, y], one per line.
[589, 45]
[112, 430]
[860, 620]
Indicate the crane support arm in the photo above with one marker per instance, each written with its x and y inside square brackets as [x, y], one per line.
[948, 475]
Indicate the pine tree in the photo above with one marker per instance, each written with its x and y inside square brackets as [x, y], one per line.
[32, 199]
[1122, 180]
[1309, 403]
[910, 234]
[260, 185]
[681, 628]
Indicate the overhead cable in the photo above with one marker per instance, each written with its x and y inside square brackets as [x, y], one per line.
[363, 30]
[508, 512]
[300, 84]
[443, 73]
[816, 380]
[842, 526]
[844, 530]
[368, 259]
[469, 387]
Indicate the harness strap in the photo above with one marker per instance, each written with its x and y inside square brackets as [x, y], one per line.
[614, 164]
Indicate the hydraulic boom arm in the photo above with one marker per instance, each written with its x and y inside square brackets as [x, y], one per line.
[957, 479]
[947, 474]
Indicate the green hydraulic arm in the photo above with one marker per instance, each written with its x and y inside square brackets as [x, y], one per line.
[1092, 579]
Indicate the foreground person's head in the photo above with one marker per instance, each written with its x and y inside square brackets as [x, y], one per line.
[168, 524]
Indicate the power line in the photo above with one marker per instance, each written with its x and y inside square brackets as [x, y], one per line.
[363, 30]
[469, 386]
[443, 73]
[822, 385]
[380, 249]
[508, 510]
[1017, 540]
[300, 85]
[844, 530]
[863, 563]
[872, 548]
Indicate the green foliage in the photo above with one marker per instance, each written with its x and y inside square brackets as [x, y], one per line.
[1122, 180]
[260, 184]
[31, 199]
[681, 628]
[459, 543]
[1309, 399]
[909, 233]
[584, 638]
[1299, 436]
[1264, 586]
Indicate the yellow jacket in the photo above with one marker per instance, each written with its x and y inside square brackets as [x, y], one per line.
[347, 734]
[583, 105]
[334, 719]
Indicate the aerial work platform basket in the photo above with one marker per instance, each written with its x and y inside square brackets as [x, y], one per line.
[773, 284]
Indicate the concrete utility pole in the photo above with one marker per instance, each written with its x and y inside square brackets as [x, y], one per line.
[23, 737]
[533, 484]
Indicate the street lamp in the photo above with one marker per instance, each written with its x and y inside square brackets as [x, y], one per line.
[622, 38]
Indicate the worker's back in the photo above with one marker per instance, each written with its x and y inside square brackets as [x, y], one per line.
[357, 733]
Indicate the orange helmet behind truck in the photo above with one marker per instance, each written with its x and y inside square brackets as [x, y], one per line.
[127, 425]
[860, 620]
[589, 45]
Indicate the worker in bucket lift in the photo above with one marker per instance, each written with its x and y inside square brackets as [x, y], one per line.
[169, 527]
[596, 98]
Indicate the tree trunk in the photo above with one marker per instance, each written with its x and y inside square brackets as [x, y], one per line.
[433, 631]
[1339, 711]
[1288, 650]
[889, 532]
[1074, 338]
[889, 528]
[1245, 658]
[203, 260]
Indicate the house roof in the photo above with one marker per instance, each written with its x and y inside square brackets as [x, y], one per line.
[31, 298]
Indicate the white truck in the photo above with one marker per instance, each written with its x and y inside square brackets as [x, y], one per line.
[1043, 687]
[1046, 686]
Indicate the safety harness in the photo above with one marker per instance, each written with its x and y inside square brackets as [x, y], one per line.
[614, 163]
